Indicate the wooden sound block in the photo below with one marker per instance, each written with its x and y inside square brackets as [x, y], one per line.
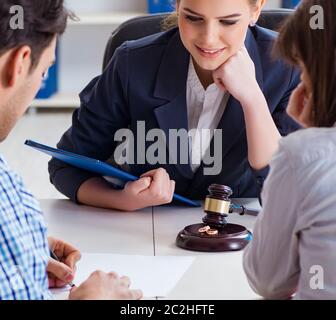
[232, 237]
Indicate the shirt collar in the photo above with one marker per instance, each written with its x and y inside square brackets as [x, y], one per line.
[194, 83]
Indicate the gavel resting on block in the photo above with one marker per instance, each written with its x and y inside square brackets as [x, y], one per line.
[215, 234]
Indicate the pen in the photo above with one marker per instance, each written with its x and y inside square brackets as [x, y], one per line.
[243, 210]
[53, 255]
[251, 212]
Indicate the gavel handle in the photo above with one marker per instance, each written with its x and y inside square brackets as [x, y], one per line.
[241, 210]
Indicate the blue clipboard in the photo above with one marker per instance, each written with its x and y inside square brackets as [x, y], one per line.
[96, 166]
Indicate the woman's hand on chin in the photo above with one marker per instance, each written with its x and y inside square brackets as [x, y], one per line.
[237, 76]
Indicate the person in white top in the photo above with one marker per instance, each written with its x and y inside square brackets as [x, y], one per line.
[293, 251]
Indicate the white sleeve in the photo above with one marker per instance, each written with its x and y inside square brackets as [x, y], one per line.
[271, 259]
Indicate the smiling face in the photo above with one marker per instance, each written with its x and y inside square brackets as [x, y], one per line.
[214, 30]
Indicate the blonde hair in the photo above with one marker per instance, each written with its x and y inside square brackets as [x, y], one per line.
[171, 21]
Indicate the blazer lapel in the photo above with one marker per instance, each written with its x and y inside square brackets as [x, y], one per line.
[171, 86]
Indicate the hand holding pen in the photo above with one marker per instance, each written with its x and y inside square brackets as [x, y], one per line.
[61, 267]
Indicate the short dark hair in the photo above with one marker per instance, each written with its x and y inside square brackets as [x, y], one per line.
[316, 49]
[43, 20]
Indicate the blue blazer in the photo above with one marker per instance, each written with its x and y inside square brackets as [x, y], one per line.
[146, 81]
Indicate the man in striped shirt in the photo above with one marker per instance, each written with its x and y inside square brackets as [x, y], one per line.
[28, 34]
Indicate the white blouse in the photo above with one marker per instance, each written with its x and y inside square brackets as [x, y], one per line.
[205, 109]
[294, 239]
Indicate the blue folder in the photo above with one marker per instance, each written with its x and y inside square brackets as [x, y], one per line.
[96, 166]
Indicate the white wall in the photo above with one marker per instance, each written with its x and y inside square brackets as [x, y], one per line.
[90, 6]
[85, 6]
[273, 4]
[82, 47]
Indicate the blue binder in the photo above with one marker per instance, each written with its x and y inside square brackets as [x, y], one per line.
[290, 3]
[49, 85]
[96, 166]
[156, 6]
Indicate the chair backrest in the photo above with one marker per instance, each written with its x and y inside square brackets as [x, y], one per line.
[143, 26]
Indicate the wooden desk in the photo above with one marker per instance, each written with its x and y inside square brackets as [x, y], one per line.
[153, 232]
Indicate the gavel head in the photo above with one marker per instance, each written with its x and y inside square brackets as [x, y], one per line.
[217, 205]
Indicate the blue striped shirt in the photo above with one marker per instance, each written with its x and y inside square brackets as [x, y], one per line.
[24, 250]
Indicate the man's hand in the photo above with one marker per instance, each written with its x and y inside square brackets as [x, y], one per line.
[61, 273]
[105, 286]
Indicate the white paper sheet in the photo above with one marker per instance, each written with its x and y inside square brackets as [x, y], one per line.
[155, 276]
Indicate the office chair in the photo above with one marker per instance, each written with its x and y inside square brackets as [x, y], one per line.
[143, 26]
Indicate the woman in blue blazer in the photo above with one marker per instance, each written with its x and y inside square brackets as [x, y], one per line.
[214, 70]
